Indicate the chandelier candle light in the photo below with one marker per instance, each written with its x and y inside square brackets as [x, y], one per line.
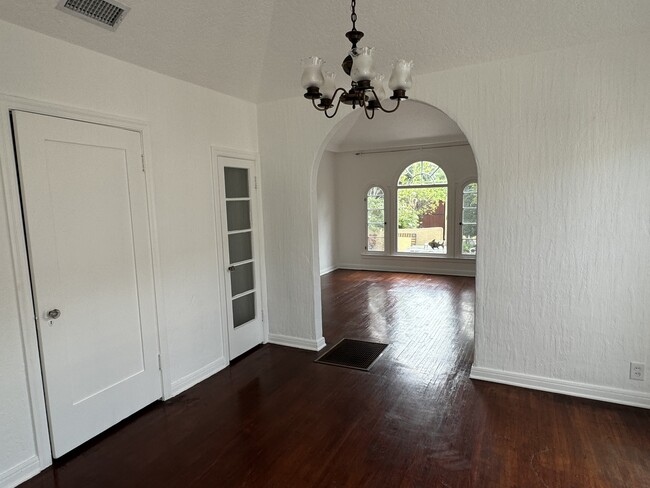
[367, 87]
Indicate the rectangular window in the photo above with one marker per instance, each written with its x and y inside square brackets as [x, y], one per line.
[469, 219]
[422, 220]
[375, 220]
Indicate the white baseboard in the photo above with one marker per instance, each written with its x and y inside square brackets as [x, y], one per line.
[199, 375]
[328, 270]
[564, 387]
[407, 269]
[21, 472]
[297, 342]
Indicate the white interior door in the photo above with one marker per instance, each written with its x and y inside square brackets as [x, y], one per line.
[235, 179]
[86, 217]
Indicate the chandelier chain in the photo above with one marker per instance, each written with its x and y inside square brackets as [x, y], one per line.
[353, 17]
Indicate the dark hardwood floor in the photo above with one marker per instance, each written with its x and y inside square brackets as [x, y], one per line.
[276, 419]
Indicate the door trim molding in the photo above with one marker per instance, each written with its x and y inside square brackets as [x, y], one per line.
[227, 152]
[22, 281]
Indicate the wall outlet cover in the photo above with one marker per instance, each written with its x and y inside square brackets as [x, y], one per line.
[637, 371]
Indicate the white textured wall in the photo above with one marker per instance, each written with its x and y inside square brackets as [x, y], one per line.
[561, 141]
[289, 195]
[562, 149]
[16, 435]
[327, 213]
[184, 120]
[356, 174]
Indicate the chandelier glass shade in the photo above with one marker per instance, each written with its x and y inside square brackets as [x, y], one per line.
[367, 88]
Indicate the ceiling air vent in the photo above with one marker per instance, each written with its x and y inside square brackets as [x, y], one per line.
[105, 13]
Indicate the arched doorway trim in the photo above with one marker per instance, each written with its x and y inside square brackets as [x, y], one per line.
[314, 218]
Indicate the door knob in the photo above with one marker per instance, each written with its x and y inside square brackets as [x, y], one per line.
[54, 313]
[231, 268]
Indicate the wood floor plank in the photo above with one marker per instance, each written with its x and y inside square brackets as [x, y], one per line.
[277, 419]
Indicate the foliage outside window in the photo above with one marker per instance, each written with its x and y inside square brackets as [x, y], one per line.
[469, 219]
[422, 209]
[375, 219]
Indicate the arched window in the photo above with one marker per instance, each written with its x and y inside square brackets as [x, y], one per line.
[422, 193]
[375, 220]
[469, 220]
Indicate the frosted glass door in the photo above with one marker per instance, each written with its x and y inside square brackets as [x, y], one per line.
[240, 248]
[240, 256]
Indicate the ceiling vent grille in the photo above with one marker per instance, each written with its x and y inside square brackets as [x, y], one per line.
[105, 13]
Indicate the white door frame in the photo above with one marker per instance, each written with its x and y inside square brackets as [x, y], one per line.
[22, 280]
[237, 154]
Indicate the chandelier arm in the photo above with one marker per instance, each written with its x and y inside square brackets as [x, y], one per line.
[381, 107]
[370, 114]
[342, 90]
[338, 104]
[320, 109]
[323, 109]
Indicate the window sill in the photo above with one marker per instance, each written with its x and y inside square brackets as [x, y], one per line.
[458, 259]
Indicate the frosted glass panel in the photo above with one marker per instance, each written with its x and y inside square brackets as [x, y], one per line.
[236, 182]
[241, 279]
[243, 309]
[238, 215]
[239, 247]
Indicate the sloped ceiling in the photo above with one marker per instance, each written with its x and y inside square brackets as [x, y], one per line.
[251, 49]
[414, 124]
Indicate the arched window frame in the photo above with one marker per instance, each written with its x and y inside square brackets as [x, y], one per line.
[369, 221]
[448, 231]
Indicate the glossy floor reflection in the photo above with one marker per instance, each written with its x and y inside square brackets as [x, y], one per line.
[276, 419]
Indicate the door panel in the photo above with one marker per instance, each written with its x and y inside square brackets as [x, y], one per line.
[238, 215]
[84, 201]
[243, 311]
[240, 247]
[238, 202]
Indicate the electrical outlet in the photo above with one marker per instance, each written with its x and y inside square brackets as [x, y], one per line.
[637, 371]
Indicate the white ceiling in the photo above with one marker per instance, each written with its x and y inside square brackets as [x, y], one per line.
[414, 124]
[251, 49]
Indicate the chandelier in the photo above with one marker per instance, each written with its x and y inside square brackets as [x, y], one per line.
[367, 88]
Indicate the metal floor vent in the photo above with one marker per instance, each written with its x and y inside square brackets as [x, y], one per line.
[105, 13]
[354, 354]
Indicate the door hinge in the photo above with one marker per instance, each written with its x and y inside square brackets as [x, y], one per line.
[159, 362]
[142, 157]
[262, 315]
[255, 180]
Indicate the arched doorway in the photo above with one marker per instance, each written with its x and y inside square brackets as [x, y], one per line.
[361, 159]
